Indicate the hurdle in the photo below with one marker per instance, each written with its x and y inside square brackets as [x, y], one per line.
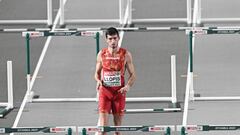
[32, 34]
[165, 129]
[184, 130]
[186, 20]
[6, 107]
[38, 32]
[204, 31]
[48, 21]
[92, 33]
[91, 29]
[120, 19]
[83, 130]
[200, 19]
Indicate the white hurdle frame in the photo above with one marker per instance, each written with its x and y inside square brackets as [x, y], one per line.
[48, 21]
[163, 20]
[172, 99]
[9, 103]
[212, 20]
[64, 21]
[191, 93]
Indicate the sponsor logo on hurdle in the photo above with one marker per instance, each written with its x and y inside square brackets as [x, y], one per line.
[197, 31]
[154, 129]
[194, 128]
[90, 33]
[58, 129]
[33, 34]
[94, 129]
[2, 130]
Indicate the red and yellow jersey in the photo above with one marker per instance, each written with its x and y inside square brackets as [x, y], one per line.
[113, 68]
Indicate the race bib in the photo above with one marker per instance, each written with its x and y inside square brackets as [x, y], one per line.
[112, 78]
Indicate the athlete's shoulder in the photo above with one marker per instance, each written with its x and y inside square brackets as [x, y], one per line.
[103, 51]
[123, 50]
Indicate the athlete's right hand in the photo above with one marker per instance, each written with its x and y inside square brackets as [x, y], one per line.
[99, 83]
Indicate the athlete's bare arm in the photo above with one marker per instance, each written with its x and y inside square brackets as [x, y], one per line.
[97, 75]
[130, 69]
[131, 72]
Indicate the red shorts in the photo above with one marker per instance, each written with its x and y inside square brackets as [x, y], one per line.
[111, 101]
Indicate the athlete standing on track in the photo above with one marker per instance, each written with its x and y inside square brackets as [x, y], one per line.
[110, 68]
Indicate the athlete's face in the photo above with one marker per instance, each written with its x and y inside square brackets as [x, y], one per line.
[112, 41]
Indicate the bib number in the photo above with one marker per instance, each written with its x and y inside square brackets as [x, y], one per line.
[112, 78]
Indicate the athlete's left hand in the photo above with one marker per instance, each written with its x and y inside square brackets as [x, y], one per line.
[124, 89]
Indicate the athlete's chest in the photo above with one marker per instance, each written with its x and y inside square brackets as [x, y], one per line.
[114, 62]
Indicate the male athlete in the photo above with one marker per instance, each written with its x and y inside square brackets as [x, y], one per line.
[110, 68]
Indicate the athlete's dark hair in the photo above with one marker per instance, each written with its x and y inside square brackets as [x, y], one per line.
[111, 31]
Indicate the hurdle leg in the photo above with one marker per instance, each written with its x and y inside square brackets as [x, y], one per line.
[183, 131]
[49, 13]
[10, 84]
[62, 16]
[30, 95]
[173, 83]
[173, 79]
[69, 131]
[129, 12]
[121, 11]
[168, 131]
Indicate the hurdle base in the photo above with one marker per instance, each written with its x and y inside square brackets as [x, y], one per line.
[158, 110]
[128, 99]
[4, 111]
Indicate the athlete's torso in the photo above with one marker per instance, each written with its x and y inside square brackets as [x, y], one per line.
[113, 68]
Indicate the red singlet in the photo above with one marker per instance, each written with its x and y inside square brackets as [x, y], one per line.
[113, 68]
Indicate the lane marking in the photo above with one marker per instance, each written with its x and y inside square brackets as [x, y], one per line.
[17, 119]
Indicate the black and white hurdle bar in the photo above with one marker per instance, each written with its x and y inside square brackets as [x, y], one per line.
[166, 129]
[184, 130]
[196, 30]
[6, 107]
[127, 29]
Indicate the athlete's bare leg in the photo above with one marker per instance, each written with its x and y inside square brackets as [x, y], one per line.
[103, 117]
[117, 119]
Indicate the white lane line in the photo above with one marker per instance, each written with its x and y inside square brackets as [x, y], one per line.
[189, 85]
[36, 71]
